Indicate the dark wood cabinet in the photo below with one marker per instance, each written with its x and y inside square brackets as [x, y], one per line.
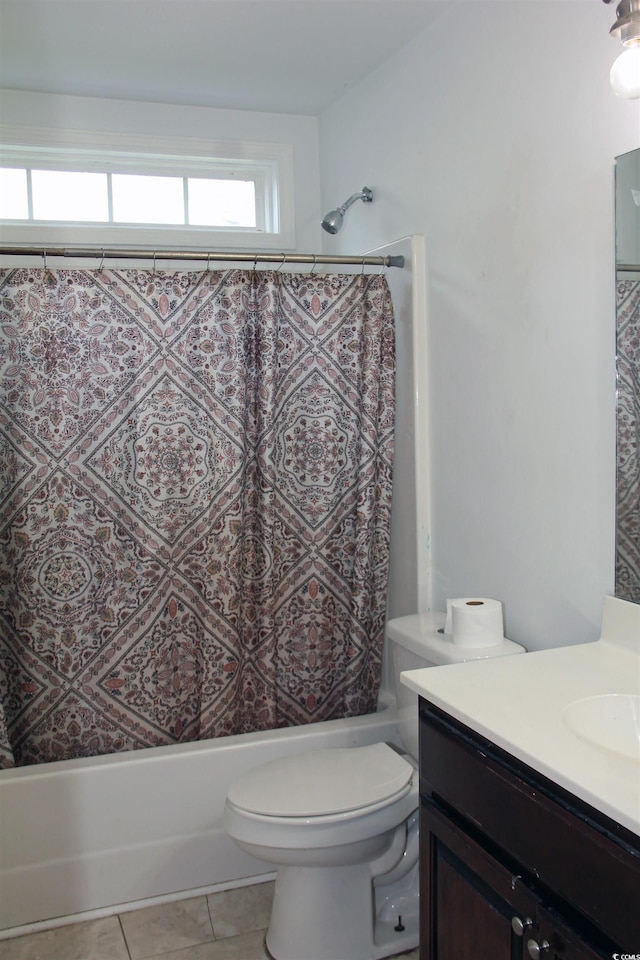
[511, 866]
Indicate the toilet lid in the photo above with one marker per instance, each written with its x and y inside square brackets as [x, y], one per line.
[322, 782]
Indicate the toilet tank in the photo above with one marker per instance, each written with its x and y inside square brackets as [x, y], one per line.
[419, 641]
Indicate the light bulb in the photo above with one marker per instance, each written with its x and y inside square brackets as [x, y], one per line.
[625, 73]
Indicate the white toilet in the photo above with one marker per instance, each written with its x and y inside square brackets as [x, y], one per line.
[341, 825]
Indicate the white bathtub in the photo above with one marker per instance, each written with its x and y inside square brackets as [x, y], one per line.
[87, 835]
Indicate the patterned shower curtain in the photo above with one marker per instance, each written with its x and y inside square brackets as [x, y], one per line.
[195, 496]
[628, 441]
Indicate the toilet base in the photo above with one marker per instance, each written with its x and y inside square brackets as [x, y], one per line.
[327, 913]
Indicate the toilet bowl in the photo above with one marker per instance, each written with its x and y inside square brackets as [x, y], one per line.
[341, 825]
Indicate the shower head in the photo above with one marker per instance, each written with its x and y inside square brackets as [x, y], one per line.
[332, 222]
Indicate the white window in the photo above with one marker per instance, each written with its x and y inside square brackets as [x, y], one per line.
[14, 200]
[68, 195]
[204, 199]
[139, 199]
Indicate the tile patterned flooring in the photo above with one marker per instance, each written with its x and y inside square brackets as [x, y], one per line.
[229, 925]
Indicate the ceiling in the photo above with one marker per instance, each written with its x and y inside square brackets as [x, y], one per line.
[285, 56]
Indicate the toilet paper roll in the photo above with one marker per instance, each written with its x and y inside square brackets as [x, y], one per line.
[475, 621]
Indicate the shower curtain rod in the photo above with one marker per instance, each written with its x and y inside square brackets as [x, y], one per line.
[132, 254]
[628, 268]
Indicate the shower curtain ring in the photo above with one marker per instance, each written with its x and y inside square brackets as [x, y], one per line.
[44, 260]
[101, 264]
[313, 266]
[154, 261]
[282, 263]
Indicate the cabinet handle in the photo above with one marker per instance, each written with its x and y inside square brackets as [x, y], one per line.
[536, 950]
[520, 926]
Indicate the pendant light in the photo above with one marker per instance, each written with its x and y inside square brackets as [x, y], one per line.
[625, 73]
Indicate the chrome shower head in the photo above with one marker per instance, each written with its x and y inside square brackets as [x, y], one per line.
[333, 220]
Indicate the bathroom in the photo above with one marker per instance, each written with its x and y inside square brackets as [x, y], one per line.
[492, 132]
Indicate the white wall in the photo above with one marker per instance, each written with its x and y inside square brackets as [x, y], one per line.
[126, 117]
[494, 134]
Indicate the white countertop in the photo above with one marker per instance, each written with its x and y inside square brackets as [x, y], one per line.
[518, 704]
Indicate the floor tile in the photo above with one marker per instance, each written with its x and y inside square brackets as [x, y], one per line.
[175, 931]
[249, 946]
[170, 927]
[93, 940]
[241, 910]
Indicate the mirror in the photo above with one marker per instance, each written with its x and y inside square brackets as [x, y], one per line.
[628, 376]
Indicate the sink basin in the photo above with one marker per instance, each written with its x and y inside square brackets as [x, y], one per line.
[610, 721]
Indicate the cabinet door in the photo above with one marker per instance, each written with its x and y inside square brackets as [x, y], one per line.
[469, 900]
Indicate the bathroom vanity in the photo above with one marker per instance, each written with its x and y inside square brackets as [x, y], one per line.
[511, 865]
[530, 801]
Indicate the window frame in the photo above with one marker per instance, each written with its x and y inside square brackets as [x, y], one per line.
[269, 165]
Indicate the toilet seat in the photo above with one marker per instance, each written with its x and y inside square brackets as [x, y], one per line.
[381, 784]
[335, 783]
